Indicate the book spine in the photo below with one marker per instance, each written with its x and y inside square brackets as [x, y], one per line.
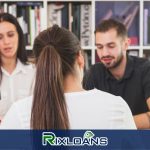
[85, 28]
[32, 25]
[54, 15]
[76, 20]
[145, 23]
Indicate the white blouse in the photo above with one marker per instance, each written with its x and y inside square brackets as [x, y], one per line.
[93, 109]
[15, 86]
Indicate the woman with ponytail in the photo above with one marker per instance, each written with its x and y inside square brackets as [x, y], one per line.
[59, 101]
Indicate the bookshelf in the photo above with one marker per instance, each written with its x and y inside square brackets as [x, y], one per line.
[81, 17]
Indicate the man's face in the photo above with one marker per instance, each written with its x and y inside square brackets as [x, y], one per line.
[111, 49]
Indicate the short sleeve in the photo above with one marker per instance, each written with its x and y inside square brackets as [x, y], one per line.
[146, 80]
[128, 121]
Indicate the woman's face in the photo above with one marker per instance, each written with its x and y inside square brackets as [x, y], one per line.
[8, 40]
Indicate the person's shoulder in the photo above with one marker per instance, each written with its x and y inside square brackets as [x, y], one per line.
[26, 65]
[141, 64]
[140, 60]
[103, 93]
[30, 66]
[108, 97]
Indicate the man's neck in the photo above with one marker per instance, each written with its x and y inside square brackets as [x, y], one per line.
[119, 71]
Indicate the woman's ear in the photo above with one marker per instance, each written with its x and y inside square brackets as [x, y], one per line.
[80, 59]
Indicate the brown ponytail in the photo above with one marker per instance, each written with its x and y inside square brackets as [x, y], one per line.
[56, 50]
[49, 106]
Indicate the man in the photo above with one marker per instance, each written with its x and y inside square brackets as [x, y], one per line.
[120, 74]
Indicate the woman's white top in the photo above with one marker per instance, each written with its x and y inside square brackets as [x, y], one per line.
[15, 86]
[93, 109]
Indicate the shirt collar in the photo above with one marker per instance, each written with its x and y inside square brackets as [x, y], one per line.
[19, 68]
[128, 71]
[108, 74]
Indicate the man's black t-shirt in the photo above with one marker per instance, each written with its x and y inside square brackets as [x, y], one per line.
[134, 87]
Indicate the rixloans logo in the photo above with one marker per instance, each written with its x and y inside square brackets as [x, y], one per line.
[89, 139]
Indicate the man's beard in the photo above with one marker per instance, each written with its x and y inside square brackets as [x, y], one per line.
[115, 64]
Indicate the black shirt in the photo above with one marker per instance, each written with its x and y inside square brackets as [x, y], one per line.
[134, 87]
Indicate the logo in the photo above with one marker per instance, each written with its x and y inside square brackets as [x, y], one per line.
[89, 139]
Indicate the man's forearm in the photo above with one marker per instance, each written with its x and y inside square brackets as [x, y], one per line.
[142, 121]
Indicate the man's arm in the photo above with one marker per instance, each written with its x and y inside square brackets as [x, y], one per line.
[142, 121]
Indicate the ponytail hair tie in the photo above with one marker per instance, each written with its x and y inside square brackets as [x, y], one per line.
[51, 44]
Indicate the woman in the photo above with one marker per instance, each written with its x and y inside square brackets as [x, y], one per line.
[16, 76]
[59, 101]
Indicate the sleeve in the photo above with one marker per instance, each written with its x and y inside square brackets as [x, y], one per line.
[128, 122]
[146, 80]
[88, 80]
[11, 119]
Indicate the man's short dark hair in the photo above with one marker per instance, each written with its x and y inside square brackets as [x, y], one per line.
[106, 25]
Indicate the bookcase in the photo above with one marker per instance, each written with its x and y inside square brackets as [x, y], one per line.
[81, 17]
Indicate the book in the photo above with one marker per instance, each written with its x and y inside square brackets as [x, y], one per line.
[28, 3]
[85, 25]
[148, 32]
[54, 14]
[27, 20]
[43, 24]
[32, 25]
[65, 16]
[12, 9]
[145, 29]
[76, 19]
[70, 16]
[5, 7]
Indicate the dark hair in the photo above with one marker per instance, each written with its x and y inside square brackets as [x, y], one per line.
[106, 25]
[59, 49]
[21, 52]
